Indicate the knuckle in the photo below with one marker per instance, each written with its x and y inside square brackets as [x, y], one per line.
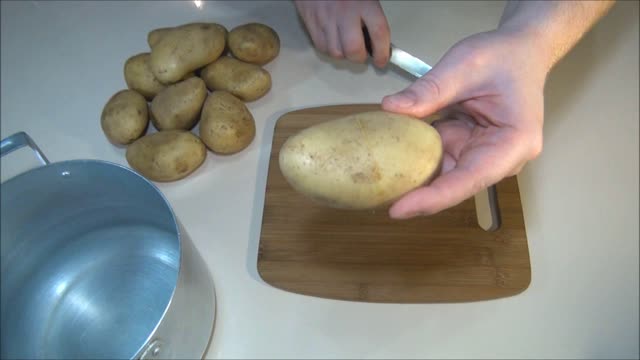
[477, 59]
[471, 56]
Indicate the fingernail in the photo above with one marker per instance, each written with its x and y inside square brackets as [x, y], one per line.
[402, 100]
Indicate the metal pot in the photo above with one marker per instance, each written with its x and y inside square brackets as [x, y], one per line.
[96, 265]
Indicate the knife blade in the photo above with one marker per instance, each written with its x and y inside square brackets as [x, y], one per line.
[408, 62]
[400, 58]
[486, 200]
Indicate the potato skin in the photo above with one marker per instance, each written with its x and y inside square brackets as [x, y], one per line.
[166, 155]
[254, 43]
[186, 48]
[154, 35]
[247, 81]
[362, 161]
[179, 105]
[125, 117]
[138, 76]
[226, 125]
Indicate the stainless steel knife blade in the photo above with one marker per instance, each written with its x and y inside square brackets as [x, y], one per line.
[400, 58]
[408, 62]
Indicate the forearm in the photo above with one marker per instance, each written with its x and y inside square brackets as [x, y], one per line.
[553, 26]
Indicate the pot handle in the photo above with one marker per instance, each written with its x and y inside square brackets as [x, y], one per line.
[19, 140]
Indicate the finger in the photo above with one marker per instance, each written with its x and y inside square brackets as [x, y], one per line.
[448, 163]
[447, 190]
[333, 41]
[380, 33]
[352, 39]
[427, 95]
[455, 134]
[471, 174]
[318, 39]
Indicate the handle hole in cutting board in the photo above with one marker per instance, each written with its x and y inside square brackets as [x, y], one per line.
[488, 209]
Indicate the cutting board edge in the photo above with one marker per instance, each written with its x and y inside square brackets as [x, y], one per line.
[518, 292]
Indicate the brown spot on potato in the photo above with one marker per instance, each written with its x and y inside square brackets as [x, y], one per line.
[371, 176]
[181, 167]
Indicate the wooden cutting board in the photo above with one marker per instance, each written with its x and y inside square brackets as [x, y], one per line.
[365, 256]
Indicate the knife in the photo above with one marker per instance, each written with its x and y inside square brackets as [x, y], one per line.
[487, 199]
[400, 58]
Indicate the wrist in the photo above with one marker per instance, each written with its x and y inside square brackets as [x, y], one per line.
[551, 27]
[537, 39]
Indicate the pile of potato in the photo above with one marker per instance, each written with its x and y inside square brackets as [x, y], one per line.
[197, 73]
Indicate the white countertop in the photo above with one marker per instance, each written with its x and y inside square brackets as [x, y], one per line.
[62, 61]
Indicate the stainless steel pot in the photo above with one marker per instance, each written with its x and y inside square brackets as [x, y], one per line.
[96, 265]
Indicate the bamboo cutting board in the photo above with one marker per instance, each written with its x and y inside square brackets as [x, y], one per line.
[365, 256]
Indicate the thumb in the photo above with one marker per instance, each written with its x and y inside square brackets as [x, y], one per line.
[429, 94]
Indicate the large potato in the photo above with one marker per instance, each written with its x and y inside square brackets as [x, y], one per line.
[154, 35]
[166, 155]
[254, 43]
[246, 81]
[178, 106]
[185, 48]
[361, 161]
[125, 117]
[138, 76]
[226, 125]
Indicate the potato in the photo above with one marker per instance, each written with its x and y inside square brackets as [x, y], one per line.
[361, 161]
[254, 43]
[125, 117]
[226, 125]
[154, 35]
[166, 155]
[246, 81]
[179, 105]
[138, 76]
[186, 48]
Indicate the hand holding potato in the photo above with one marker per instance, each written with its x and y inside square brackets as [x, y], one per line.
[491, 124]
